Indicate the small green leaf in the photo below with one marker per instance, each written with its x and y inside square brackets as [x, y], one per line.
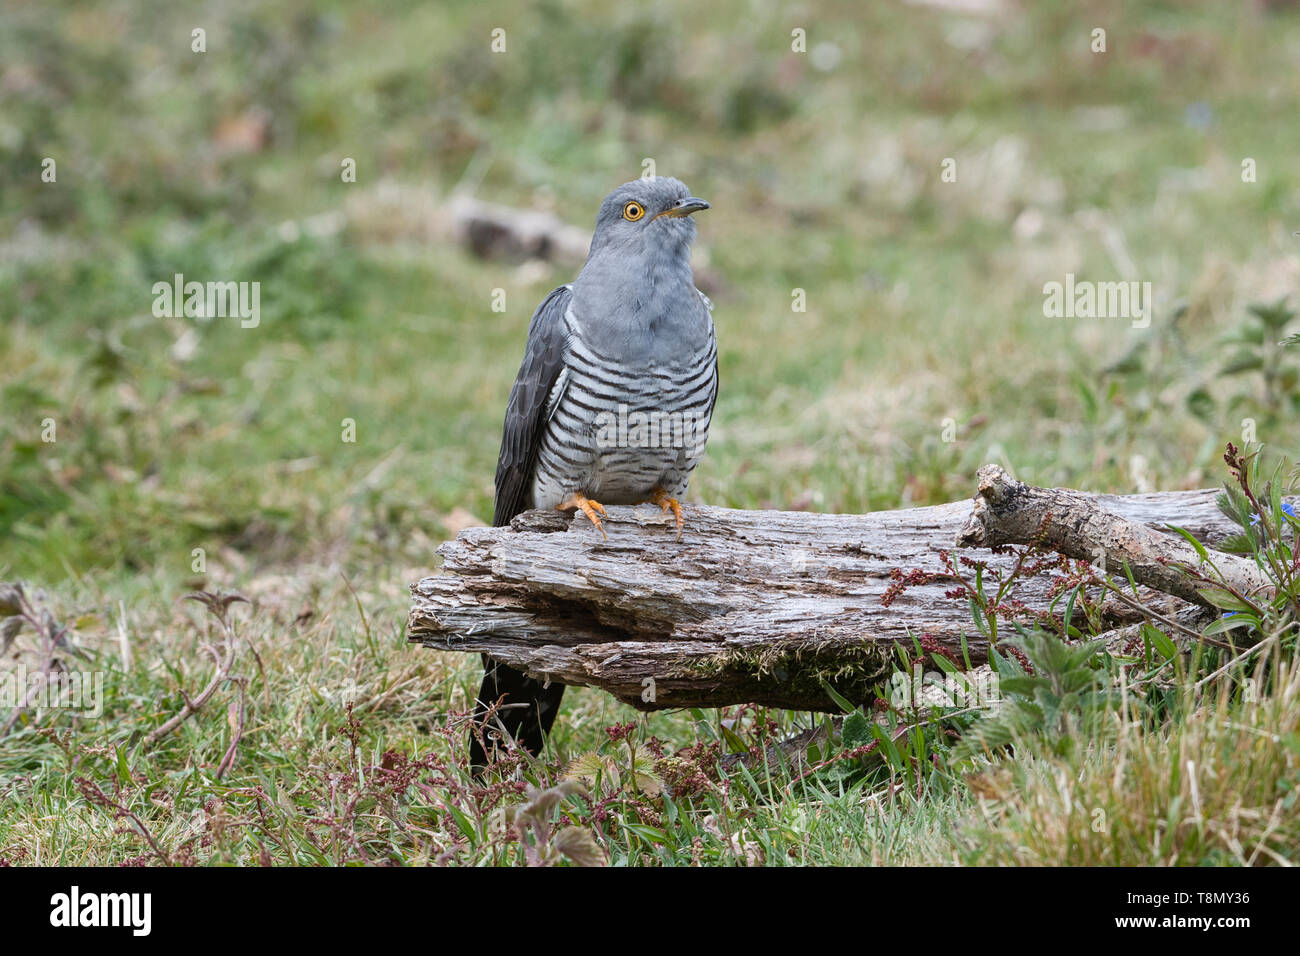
[464, 824]
[1161, 642]
[1223, 599]
[1224, 624]
[1275, 315]
[1237, 544]
[841, 701]
[734, 743]
[647, 832]
[891, 751]
[856, 731]
[1242, 361]
[1191, 539]
[123, 766]
[945, 665]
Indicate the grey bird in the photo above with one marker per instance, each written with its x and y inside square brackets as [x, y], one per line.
[612, 403]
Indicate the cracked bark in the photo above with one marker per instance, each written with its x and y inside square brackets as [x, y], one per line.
[766, 606]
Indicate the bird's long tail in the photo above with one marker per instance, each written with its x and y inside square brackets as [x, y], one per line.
[527, 712]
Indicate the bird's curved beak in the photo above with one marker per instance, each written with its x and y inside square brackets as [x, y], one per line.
[684, 207]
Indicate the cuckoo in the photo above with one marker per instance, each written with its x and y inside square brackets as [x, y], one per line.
[611, 405]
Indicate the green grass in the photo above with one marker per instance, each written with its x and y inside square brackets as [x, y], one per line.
[924, 304]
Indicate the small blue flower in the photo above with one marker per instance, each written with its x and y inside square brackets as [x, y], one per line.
[1287, 508]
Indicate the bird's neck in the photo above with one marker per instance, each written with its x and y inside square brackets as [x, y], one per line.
[628, 303]
[637, 274]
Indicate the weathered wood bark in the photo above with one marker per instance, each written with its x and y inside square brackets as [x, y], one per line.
[762, 606]
[1083, 526]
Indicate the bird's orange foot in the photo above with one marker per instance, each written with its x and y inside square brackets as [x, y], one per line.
[667, 503]
[588, 507]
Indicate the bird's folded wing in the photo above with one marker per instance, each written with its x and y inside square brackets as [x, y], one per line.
[527, 410]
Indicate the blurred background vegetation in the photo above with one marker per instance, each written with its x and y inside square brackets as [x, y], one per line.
[924, 297]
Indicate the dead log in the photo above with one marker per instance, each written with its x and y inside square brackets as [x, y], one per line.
[769, 606]
[493, 231]
[1083, 526]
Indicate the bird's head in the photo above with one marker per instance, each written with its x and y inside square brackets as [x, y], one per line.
[648, 215]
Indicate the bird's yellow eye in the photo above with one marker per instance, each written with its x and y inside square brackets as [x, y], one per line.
[633, 211]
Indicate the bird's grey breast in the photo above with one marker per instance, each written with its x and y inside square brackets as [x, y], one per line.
[633, 407]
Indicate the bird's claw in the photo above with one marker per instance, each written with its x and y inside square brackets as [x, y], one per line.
[668, 503]
[587, 506]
